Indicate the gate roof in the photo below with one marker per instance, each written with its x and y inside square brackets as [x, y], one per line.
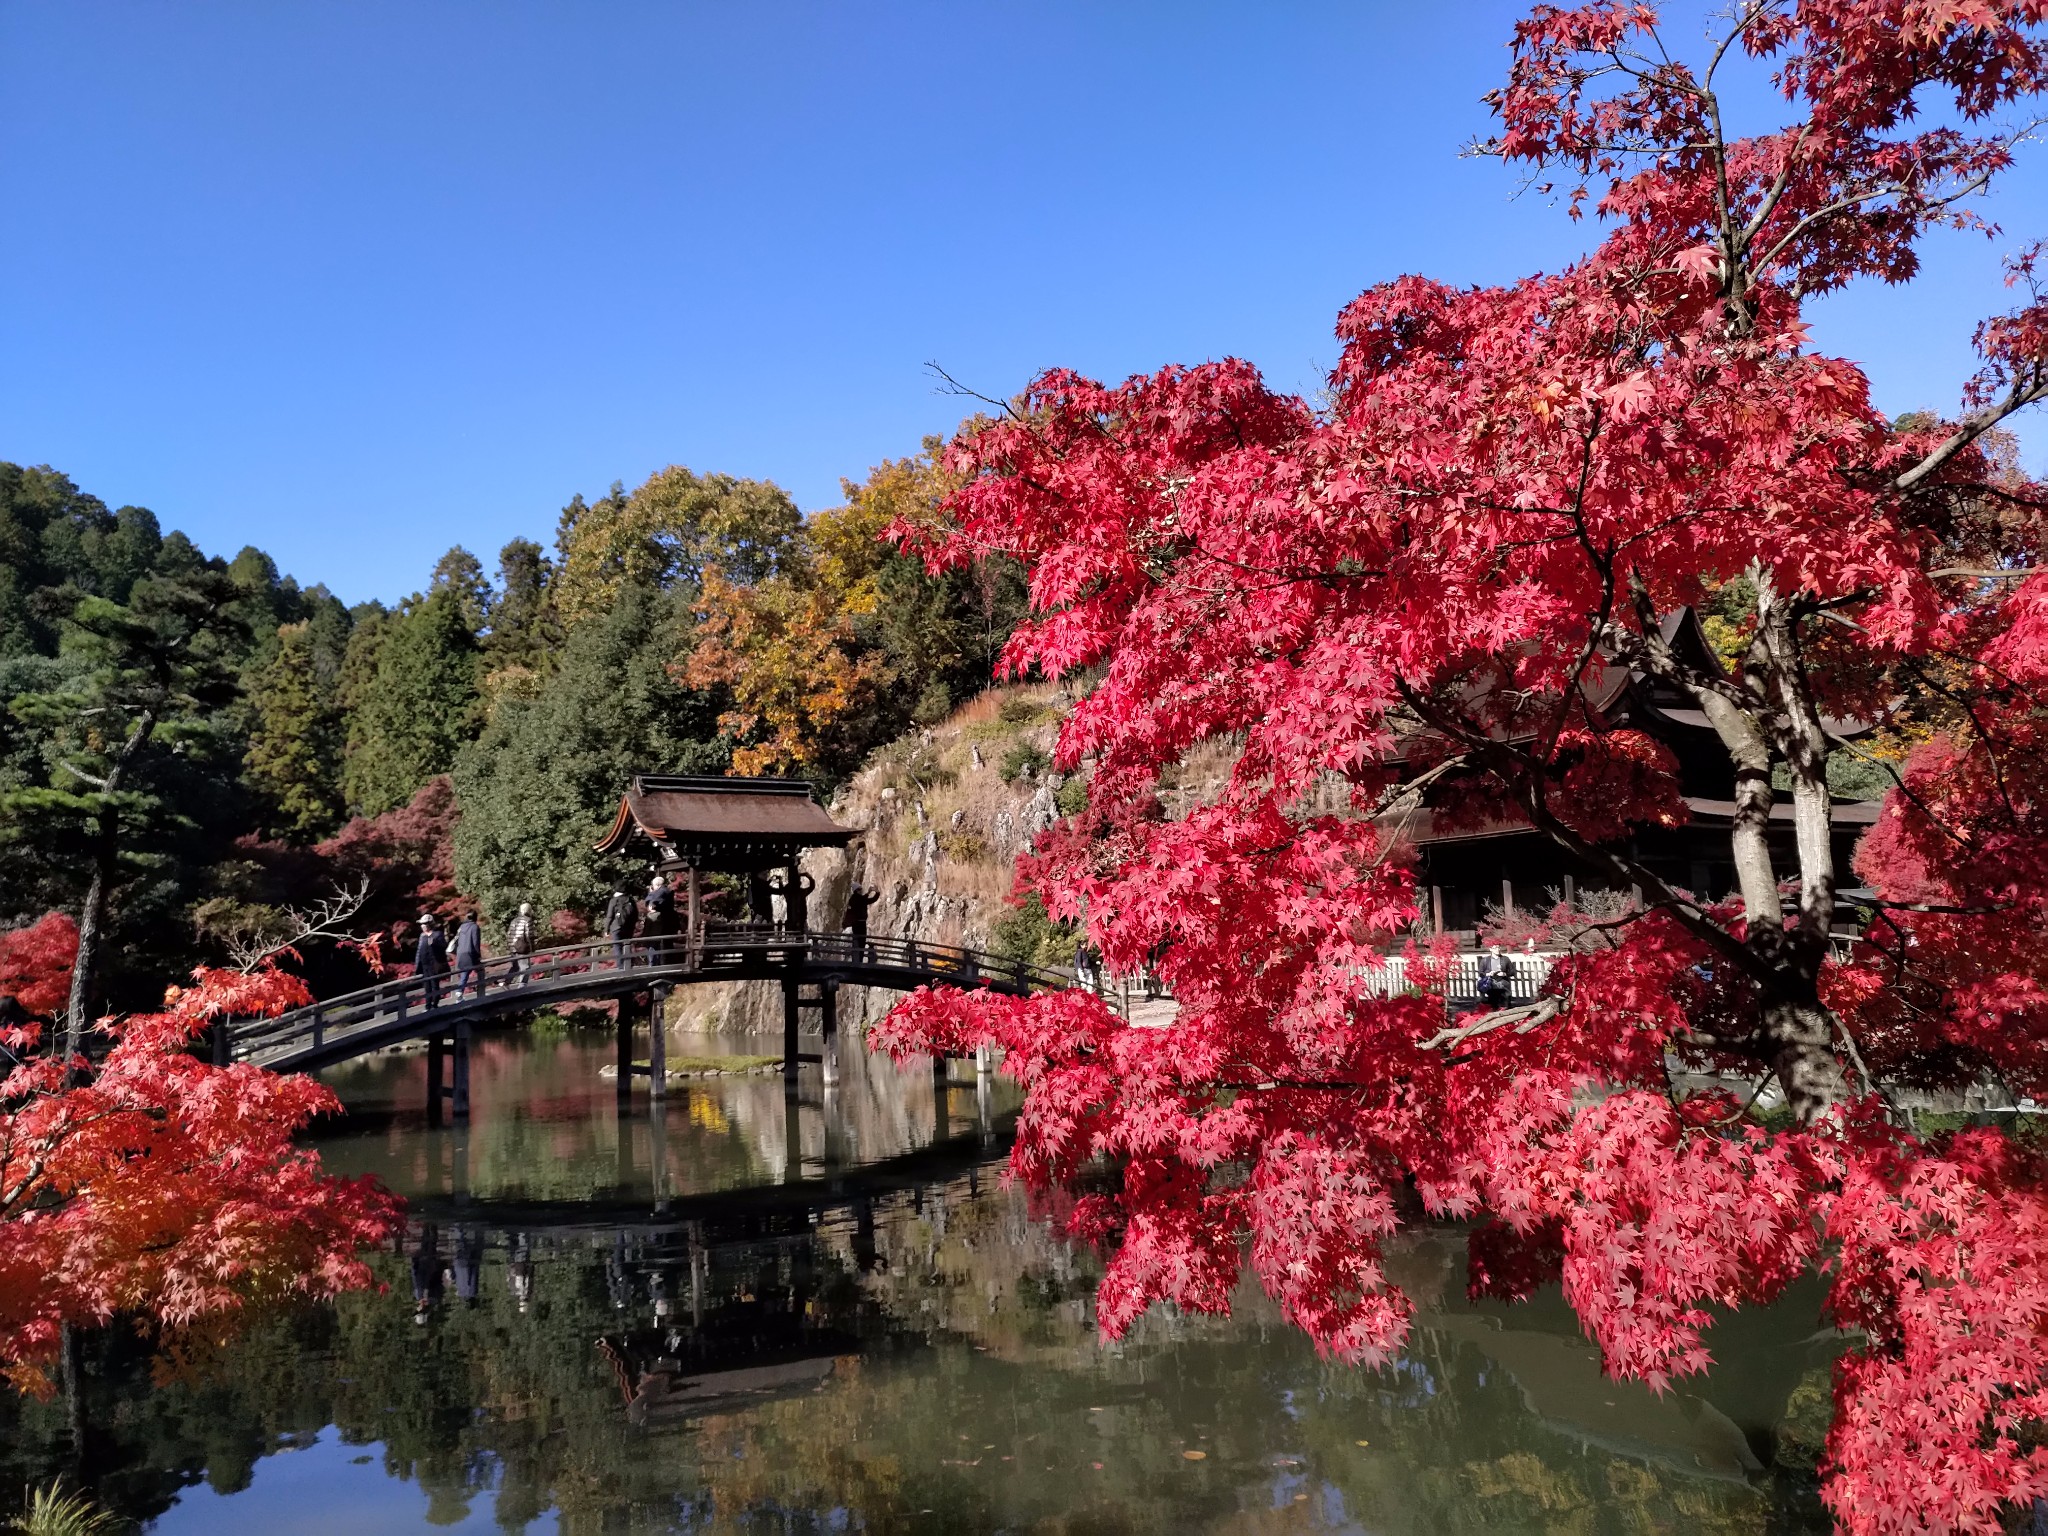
[723, 824]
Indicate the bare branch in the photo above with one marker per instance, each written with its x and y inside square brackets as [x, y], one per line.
[1524, 1017]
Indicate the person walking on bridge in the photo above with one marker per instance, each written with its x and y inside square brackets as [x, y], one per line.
[430, 958]
[858, 900]
[519, 943]
[661, 917]
[621, 918]
[469, 957]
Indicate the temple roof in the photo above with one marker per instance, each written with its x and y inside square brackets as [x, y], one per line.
[1419, 826]
[713, 823]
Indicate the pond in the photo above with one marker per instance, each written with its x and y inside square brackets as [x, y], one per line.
[712, 1318]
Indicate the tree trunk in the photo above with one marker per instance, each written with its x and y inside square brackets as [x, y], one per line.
[1800, 1037]
[92, 917]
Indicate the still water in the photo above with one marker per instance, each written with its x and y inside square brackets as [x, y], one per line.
[714, 1318]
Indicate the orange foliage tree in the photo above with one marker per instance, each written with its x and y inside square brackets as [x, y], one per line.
[160, 1188]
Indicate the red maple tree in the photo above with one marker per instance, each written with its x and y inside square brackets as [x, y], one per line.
[1413, 591]
[159, 1188]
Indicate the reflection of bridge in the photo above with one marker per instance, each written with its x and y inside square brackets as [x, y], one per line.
[638, 974]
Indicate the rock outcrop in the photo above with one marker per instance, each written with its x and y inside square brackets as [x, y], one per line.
[943, 815]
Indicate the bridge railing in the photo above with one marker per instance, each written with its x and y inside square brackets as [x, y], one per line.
[560, 970]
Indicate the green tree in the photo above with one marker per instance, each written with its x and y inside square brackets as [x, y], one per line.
[294, 757]
[416, 707]
[150, 678]
[525, 636]
[542, 782]
[462, 574]
[666, 532]
[53, 534]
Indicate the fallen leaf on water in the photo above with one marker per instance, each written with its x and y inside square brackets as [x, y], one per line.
[1194, 1455]
[1095, 1464]
[1361, 1442]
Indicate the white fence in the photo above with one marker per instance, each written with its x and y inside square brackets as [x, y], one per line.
[1461, 978]
[1390, 978]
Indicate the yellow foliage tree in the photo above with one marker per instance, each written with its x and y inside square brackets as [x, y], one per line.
[673, 528]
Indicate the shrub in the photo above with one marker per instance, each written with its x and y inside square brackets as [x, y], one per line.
[1018, 710]
[1027, 933]
[1072, 796]
[966, 847]
[1025, 761]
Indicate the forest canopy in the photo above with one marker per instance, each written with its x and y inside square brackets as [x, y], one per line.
[280, 744]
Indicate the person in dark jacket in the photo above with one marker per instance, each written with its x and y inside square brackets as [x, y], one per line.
[795, 890]
[469, 957]
[661, 916]
[621, 918]
[858, 900]
[519, 942]
[430, 958]
[1496, 972]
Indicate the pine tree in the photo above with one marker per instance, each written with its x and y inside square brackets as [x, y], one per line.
[152, 674]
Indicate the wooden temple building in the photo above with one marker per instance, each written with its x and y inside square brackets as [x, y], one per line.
[1507, 865]
[755, 830]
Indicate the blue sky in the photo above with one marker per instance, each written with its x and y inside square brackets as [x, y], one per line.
[358, 282]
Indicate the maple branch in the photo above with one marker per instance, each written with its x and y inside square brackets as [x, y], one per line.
[2024, 392]
[955, 387]
[1525, 1017]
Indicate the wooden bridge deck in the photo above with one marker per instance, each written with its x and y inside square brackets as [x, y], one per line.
[416, 1007]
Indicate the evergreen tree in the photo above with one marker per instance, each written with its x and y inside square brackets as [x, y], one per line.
[52, 535]
[524, 630]
[150, 679]
[461, 573]
[542, 782]
[417, 708]
[294, 758]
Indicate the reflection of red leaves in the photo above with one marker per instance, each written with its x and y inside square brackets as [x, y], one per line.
[166, 1188]
[1505, 1264]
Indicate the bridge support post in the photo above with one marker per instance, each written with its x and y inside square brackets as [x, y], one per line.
[657, 1045]
[828, 1010]
[436, 1074]
[792, 1132]
[459, 1098]
[942, 1108]
[789, 1026]
[624, 1029]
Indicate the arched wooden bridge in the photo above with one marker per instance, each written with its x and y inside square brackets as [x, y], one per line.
[432, 1008]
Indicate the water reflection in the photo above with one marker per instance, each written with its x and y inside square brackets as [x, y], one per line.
[545, 1125]
[893, 1347]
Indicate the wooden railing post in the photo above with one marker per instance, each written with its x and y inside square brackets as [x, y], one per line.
[319, 1026]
